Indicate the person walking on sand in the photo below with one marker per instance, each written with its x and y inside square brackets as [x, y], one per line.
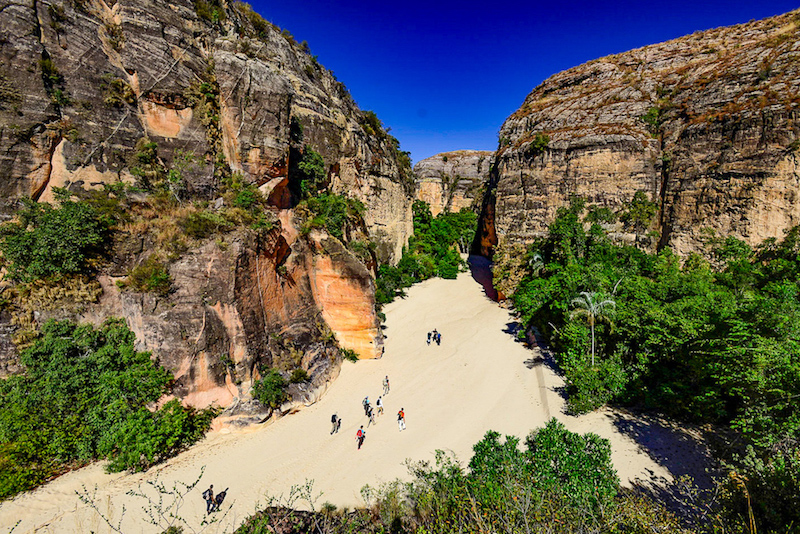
[208, 495]
[379, 406]
[360, 435]
[429, 338]
[336, 422]
[386, 385]
[438, 338]
[365, 404]
[401, 420]
[371, 416]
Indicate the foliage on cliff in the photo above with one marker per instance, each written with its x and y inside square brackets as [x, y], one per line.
[433, 250]
[48, 241]
[711, 343]
[559, 482]
[86, 394]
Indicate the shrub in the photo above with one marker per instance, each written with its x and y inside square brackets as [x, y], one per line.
[308, 176]
[150, 276]
[49, 241]
[299, 375]
[84, 396]
[271, 389]
[338, 214]
[202, 224]
[349, 355]
[639, 212]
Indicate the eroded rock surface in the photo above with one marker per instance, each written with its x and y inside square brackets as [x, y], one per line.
[86, 84]
[705, 125]
[454, 180]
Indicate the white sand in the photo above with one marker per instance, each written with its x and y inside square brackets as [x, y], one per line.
[452, 394]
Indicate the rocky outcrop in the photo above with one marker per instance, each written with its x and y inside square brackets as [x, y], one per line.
[451, 181]
[705, 126]
[95, 93]
[81, 83]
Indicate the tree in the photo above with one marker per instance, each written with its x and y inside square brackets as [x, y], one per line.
[588, 305]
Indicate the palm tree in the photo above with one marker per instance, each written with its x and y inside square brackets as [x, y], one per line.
[587, 305]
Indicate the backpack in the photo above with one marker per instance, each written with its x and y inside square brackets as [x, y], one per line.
[360, 433]
[333, 418]
[207, 494]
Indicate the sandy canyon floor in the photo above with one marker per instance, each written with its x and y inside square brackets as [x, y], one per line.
[480, 378]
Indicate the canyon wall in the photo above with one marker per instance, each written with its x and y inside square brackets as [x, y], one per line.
[704, 125]
[454, 180]
[89, 88]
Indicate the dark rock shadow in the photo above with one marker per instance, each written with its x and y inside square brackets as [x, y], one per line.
[481, 272]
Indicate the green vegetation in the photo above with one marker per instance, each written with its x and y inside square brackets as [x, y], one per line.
[308, 176]
[349, 355]
[299, 375]
[707, 343]
[339, 215]
[433, 250]
[85, 395]
[639, 212]
[116, 91]
[558, 482]
[271, 389]
[52, 241]
[210, 10]
[537, 145]
[150, 276]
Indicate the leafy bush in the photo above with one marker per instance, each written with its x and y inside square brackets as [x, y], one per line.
[336, 213]
[433, 250]
[349, 355]
[310, 175]
[299, 375]
[150, 276]
[639, 213]
[202, 224]
[271, 389]
[84, 396]
[50, 241]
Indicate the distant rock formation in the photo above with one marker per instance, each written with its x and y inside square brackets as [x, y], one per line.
[704, 125]
[451, 181]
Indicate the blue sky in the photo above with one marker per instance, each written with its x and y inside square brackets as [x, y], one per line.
[444, 75]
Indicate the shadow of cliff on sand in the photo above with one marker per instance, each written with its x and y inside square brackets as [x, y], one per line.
[680, 449]
[482, 273]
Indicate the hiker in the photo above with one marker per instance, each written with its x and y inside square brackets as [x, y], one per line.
[360, 435]
[336, 422]
[208, 495]
[401, 420]
[438, 338]
[371, 415]
[219, 498]
[386, 385]
[379, 405]
[429, 338]
[365, 404]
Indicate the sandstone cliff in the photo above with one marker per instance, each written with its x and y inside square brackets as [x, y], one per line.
[451, 181]
[705, 126]
[93, 93]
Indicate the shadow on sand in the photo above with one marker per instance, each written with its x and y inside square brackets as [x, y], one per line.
[482, 273]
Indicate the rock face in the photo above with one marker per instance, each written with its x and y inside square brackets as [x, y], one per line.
[452, 180]
[705, 126]
[85, 85]
[82, 82]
